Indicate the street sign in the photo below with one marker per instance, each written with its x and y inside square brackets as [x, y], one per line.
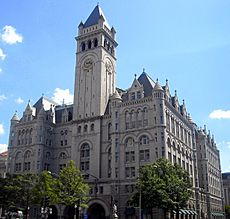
[85, 216]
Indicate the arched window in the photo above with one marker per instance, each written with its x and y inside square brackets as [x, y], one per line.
[109, 162]
[89, 44]
[112, 49]
[109, 131]
[85, 128]
[70, 116]
[85, 150]
[27, 154]
[84, 157]
[18, 155]
[95, 42]
[144, 140]
[79, 129]
[129, 142]
[105, 42]
[62, 155]
[48, 155]
[92, 127]
[83, 46]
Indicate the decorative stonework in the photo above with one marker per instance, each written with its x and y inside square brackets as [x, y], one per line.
[109, 67]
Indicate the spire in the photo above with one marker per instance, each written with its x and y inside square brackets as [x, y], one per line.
[29, 107]
[15, 116]
[94, 17]
[157, 86]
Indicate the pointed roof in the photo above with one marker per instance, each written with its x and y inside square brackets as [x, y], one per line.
[15, 117]
[44, 102]
[157, 86]
[147, 82]
[29, 107]
[94, 17]
[116, 95]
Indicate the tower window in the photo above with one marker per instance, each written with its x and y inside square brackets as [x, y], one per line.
[95, 42]
[79, 129]
[85, 128]
[89, 44]
[105, 42]
[92, 127]
[83, 46]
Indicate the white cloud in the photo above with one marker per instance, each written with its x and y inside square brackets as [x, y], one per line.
[60, 95]
[2, 131]
[2, 55]
[224, 144]
[19, 100]
[2, 97]
[3, 148]
[220, 114]
[0, 70]
[10, 35]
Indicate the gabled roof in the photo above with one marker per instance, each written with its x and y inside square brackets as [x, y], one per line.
[147, 82]
[44, 102]
[94, 17]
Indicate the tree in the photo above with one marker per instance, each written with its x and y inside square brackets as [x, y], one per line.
[71, 188]
[45, 190]
[227, 211]
[163, 185]
[17, 191]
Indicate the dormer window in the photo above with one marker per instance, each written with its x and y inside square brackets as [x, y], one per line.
[133, 96]
[138, 95]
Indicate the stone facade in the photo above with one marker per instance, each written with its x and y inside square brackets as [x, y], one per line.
[226, 188]
[3, 162]
[110, 132]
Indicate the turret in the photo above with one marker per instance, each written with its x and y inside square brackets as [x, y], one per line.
[13, 122]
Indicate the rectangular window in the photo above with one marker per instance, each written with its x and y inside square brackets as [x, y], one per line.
[116, 172]
[138, 95]
[133, 96]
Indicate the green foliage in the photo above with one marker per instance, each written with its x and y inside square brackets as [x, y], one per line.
[17, 191]
[45, 192]
[20, 191]
[71, 188]
[163, 185]
[227, 211]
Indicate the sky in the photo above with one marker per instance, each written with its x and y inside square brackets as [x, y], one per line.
[186, 42]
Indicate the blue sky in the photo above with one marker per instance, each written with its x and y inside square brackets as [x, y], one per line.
[186, 42]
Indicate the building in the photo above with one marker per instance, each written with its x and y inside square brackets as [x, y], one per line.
[110, 132]
[226, 188]
[3, 162]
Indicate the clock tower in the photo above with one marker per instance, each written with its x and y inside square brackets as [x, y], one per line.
[95, 66]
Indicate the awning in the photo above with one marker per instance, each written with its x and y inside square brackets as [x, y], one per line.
[191, 212]
[187, 211]
[182, 211]
[220, 214]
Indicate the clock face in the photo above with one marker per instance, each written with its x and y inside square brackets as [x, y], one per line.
[88, 64]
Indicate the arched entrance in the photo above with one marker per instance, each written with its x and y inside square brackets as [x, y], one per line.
[96, 211]
[54, 214]
[69, 212]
